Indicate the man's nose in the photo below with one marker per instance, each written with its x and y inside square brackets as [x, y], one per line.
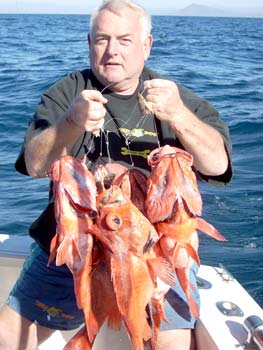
[112, 47]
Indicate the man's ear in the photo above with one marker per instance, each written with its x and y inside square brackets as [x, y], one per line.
[88, 39]
[147, 46]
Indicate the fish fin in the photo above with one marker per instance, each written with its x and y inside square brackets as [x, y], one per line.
[192, 287]
[81, 275]
[209, 229]
[147, 331]
[192, 252]
[176, 251]
[53, 249]
[119, 276]
[162, 268]
[82, 206]
[114, 321]
[188, 186]
[138, 181]
[157, 316]
[158, 311]
[133, 288]
[193, 307]
[68, 253]
[123, 182]
[79, 341]
[182, 275]
[93, 325]
[103, 302]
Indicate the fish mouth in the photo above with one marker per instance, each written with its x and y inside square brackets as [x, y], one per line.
[105, 183]
[149, 244]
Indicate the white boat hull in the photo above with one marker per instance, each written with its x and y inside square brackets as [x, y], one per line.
[214, 330]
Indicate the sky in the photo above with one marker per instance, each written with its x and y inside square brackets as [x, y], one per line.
[87, 6]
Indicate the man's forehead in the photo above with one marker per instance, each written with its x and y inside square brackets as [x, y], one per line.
[125, 16]
[121, 22]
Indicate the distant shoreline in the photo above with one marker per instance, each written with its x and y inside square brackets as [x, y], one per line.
[193, 10]
[153, 15]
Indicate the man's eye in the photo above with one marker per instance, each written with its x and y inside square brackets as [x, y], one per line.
[126, 41]
[101, 40]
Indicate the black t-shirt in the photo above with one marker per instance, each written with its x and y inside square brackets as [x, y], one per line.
[128, 136]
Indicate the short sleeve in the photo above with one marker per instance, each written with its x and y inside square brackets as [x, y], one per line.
[53, 105]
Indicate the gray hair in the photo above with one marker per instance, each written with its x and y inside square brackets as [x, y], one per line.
[116, 5]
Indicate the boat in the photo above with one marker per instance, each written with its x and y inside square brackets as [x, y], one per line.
[230, 319]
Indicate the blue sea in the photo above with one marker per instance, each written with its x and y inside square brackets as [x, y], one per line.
[220, 59]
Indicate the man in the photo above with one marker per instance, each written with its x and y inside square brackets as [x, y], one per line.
[103, 101]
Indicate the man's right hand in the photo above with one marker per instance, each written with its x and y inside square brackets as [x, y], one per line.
[87, 111]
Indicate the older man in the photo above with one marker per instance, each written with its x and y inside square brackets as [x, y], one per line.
[102, 100]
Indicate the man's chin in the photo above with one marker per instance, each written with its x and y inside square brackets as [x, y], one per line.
[115, 77]
[113, 81]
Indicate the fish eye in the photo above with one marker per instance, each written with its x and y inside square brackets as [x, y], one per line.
[113, 221]
[117, 221]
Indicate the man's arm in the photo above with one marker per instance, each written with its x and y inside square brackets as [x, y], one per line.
[42, 147]
[198, 138]
[202, 141]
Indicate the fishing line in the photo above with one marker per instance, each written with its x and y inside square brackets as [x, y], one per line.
[106, 132]
[129, 138]
[133, 111]
[156, 131]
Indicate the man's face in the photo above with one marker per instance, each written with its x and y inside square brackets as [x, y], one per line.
[118, 50]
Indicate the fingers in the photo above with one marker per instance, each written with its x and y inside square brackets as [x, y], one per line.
[158, 83]
[95, 126]
[164, 98]
[92, 103]
[88, 111]
[159, 88]
[93, 95]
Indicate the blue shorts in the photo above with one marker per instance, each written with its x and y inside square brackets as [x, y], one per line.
[45, 295]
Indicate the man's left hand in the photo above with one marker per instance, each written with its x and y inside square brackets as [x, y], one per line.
[165, 99]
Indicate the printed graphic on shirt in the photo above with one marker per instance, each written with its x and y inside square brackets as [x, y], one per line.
[53, 311]
[136, 132]
[128, 152]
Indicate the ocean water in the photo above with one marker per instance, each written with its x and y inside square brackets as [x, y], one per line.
[218, 58]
